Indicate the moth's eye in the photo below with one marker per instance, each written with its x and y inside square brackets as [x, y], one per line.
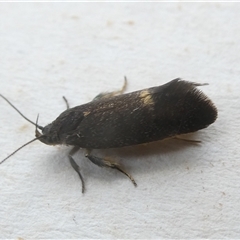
[46, 129]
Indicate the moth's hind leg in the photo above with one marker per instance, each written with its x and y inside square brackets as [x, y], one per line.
[66, 101]
[104, 94]
[187, 140]
[112, 94]
[106, 162]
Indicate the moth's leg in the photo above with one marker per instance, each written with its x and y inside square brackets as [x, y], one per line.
[199, 84]
[187, 140]
[112, 94]
[104, 162]
[194, 83]
[66, 101]
[75, 166]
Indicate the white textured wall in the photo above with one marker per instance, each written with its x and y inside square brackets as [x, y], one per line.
[80, 49]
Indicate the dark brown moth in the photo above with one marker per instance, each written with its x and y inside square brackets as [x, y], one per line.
[114, 120]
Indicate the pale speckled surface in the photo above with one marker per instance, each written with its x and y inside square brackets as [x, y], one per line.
[78, 50]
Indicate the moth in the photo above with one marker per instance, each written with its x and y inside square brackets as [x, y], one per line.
[115, 120]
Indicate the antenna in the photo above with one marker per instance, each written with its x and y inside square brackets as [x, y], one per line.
[38, 134]
[19, 149]
[35, 124]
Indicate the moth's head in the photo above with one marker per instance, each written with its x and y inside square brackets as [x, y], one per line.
[48, 136]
